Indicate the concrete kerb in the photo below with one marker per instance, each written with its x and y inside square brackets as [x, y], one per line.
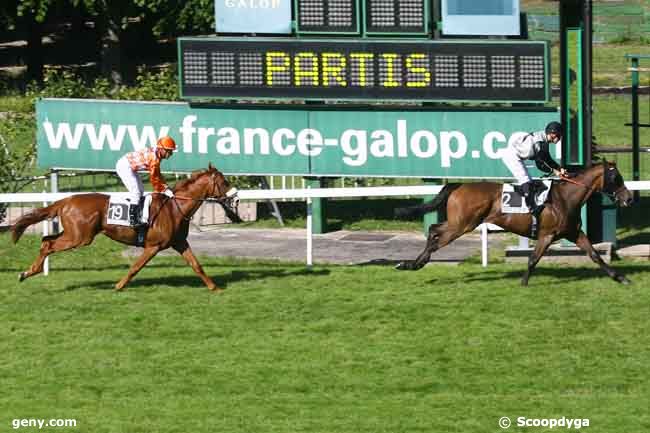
[340, 247]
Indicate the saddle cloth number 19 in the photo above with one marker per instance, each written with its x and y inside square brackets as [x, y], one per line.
[118, 214]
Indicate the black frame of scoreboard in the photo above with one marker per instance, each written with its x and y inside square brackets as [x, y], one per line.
[460, 48]
[362, 21]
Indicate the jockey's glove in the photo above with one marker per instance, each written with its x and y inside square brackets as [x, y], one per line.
[169, 193]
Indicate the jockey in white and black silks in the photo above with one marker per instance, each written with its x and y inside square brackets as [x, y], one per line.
[533, 146]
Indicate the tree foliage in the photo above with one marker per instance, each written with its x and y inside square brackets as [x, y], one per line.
[124, 29]
[14, 163]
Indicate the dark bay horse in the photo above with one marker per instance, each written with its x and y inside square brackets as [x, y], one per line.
[83, 216]
[471, 204]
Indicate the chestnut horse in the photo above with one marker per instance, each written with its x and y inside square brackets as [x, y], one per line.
[471, 204]
[83, 216]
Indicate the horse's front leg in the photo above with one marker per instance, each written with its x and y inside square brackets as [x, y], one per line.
[540, 248]
[183, 248]
[147, 255]
[583, 242]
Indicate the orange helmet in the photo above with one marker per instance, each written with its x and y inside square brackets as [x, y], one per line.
[166, 142]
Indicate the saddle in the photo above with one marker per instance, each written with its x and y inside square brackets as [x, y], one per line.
[513, 200]
[120, 209]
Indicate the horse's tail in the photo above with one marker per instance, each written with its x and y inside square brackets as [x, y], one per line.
[438, 201]
[35, 216]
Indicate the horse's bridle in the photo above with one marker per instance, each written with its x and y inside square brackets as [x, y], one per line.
[223, 198]
[613, 196]
[593, 188]
[226, 198]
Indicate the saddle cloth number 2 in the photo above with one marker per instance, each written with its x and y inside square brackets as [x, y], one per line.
[511, 200]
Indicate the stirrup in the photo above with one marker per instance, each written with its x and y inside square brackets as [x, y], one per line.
[135, 217]
[534, 226]
[142, 234]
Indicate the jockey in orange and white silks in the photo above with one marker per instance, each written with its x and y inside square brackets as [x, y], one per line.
[145, 159]
[534, 146]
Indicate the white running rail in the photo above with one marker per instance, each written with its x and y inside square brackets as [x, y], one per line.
[307, 194]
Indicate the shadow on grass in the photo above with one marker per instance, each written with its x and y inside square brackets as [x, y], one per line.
[568, 274]
[193, 280]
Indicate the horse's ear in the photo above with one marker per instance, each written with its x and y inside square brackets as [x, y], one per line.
[210, 167]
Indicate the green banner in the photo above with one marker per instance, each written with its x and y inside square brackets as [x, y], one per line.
[281, 140]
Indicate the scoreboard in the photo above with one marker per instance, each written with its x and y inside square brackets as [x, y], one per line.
[379, 17]
[328, 16]
[364, 69]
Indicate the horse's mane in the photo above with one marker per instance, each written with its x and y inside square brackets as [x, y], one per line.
[594, 165]
[185, 183]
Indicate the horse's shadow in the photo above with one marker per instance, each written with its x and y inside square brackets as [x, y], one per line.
[192, 280]
[566, 274]
[125, 267]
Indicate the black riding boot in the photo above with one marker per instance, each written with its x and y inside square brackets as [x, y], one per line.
[530, 201]
[529, 190]
[134, 216]
[137, 224]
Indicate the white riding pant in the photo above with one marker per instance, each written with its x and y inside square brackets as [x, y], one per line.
[130, 179]
[515, 165]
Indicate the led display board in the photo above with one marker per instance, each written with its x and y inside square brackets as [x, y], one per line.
[408, 17]
[327, 16]
[425, 70]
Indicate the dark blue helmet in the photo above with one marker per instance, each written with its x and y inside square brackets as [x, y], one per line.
[554, 128]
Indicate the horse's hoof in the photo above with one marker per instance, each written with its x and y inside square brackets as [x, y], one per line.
[621, 279]
[401, 266]
[216, 289]
[119, 288]
[21, 277]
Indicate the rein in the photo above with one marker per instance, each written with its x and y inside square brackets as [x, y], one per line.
[590, 188]
[217, 200]
[185, 217]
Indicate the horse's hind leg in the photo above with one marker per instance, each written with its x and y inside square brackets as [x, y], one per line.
[49, 245]
[439, 236]
[583, 242]
[147, 255]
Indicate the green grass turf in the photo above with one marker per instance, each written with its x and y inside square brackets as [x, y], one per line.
[334, 349]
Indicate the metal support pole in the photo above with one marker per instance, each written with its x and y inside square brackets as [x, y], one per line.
[587, 104]
[523, 243]
[635, 125]
[432, 217]
[318, 207]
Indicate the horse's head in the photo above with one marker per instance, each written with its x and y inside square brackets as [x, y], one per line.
[614, 185]
[221, 189]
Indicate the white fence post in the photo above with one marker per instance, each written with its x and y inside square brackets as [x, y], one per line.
[309, 232]
[54, 186]
[484, 245]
